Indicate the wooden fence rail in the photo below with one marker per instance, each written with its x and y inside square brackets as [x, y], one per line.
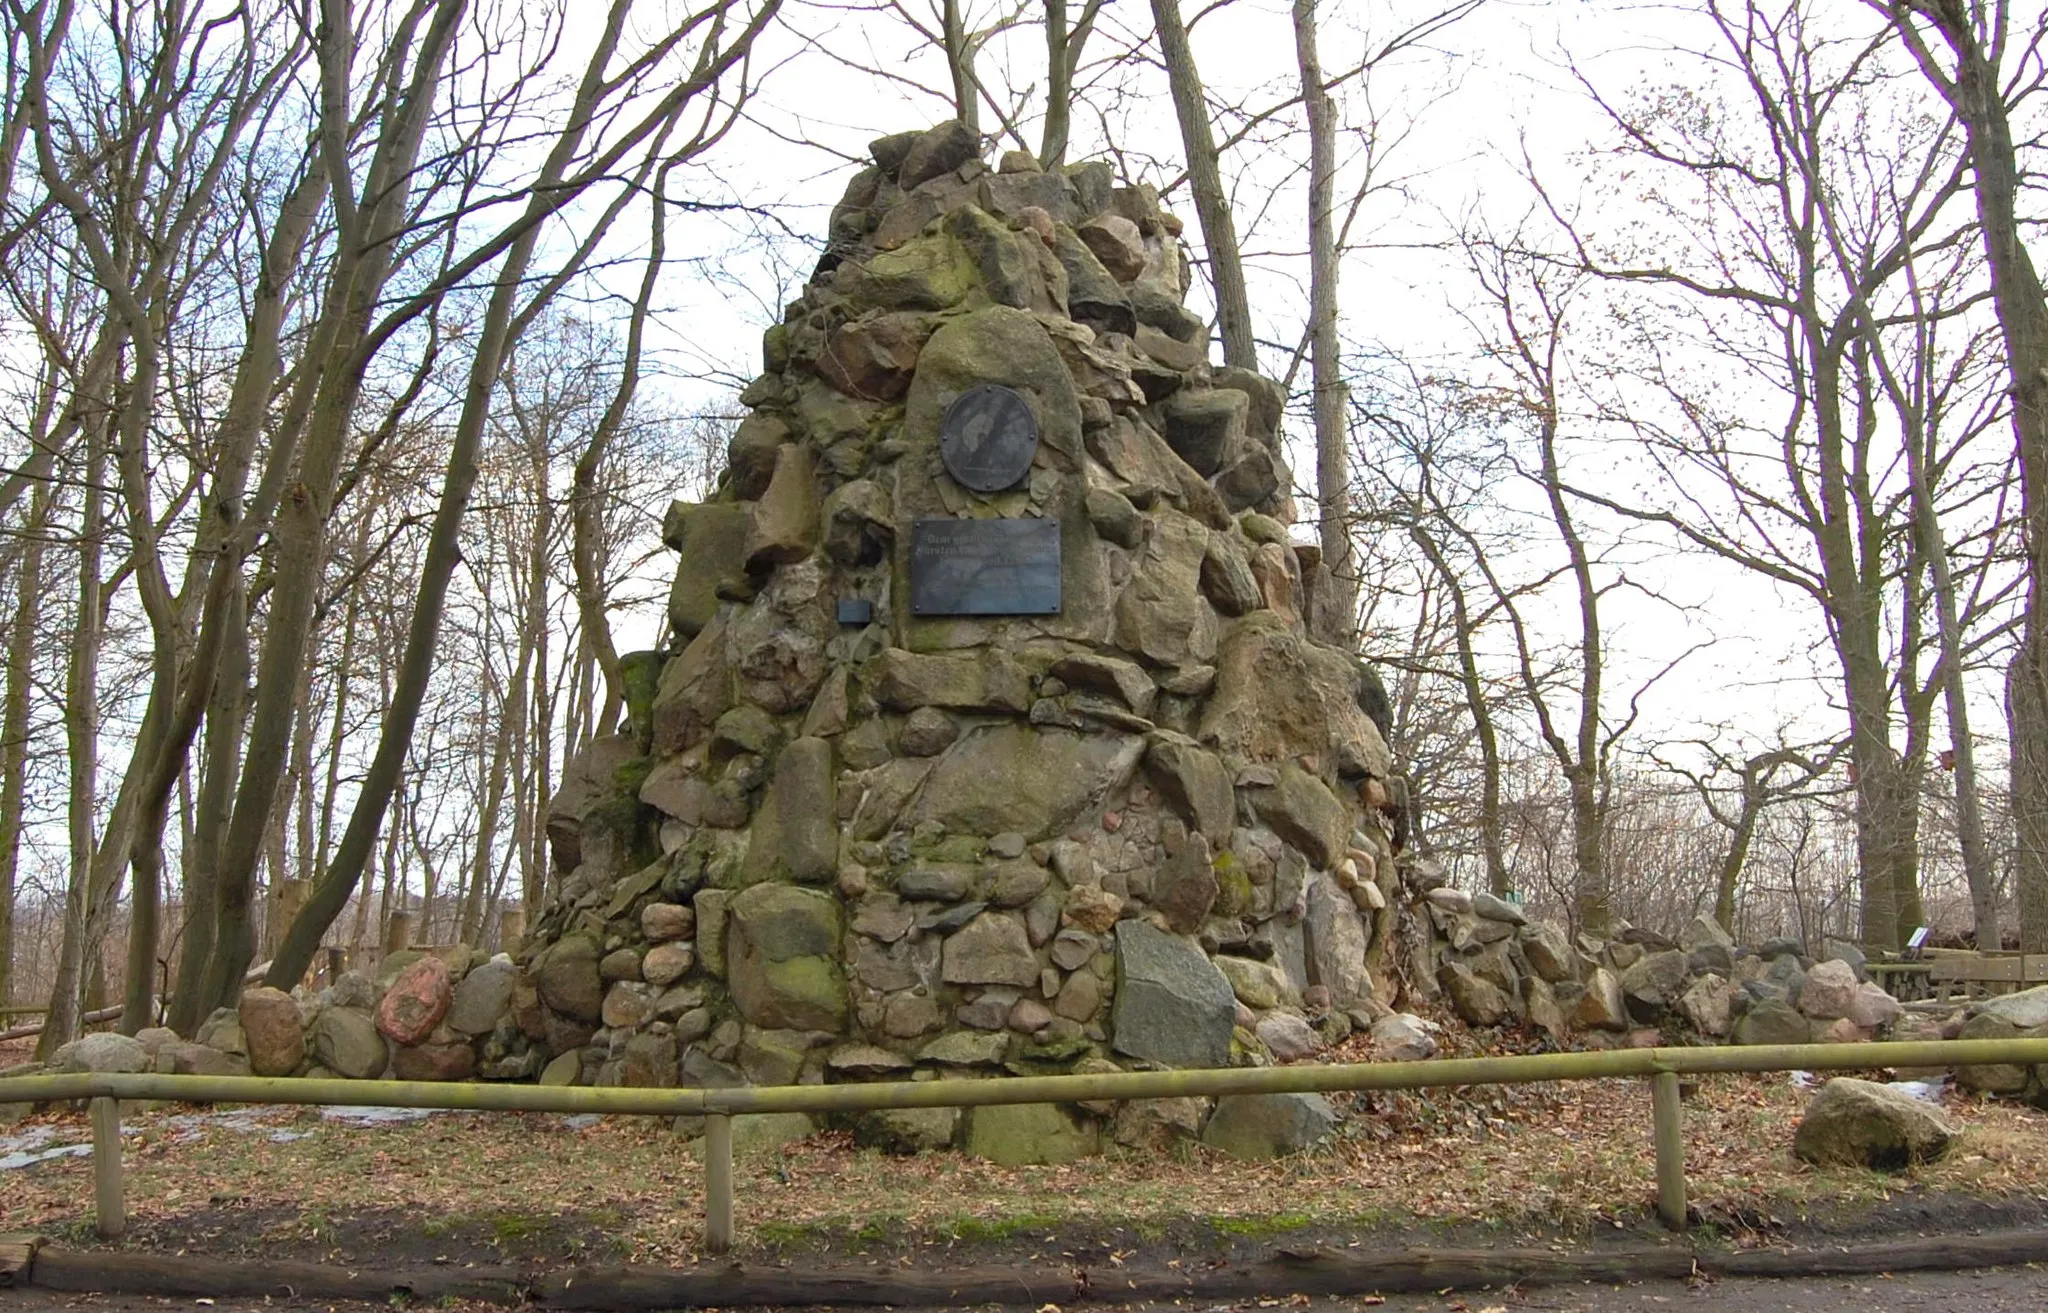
[1660, 1066]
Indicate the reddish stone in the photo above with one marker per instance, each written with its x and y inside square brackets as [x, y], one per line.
[454, 1060]
[873, 359]
[416, 1001]
[1037, 221]
[1116, 242]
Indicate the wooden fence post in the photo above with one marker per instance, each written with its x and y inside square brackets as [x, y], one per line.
[1670, 1137]
[717, 1182]
[110, 1214]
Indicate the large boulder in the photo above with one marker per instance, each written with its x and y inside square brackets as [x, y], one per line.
[1259, 985]
[1704, 932]
[184, 1058]
[569, 980]
[1860, 1123]
[1708, 1006]
[795, 833]
[222, 1030]
[1302, 810]
[273, 1031]
[992, 949]
[1288, 1038]
[1206, 429]
[1002, 345]
[348, 1043]
[1172, 1005]
[416, 1002]
[1269, 1125]
[906, 1130]
[1654, 984]
[1872, 1008]
[589, 786]
[2026, 1009]
[988, 681]
[484, 996]
[1602, 1006]
[1548, 954]
[1772, 1023]
[1479, 1002]
[1160, 1126]
[1161, 614]
[1021, 1134]
[1195, 781]
[1992, 1077]
[1278, 695]
[1830, 990]
[1023, 778]
[782, 958]
[444, 1057]
[101, 1051]
[1404, 1037]
[712, 539]
[1336, 942]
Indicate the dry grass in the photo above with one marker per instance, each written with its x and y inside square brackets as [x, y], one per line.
[1570, 1158]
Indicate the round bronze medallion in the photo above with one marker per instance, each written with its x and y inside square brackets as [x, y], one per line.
[987, 437]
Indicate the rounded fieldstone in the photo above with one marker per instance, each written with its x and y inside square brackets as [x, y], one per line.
[667, 963]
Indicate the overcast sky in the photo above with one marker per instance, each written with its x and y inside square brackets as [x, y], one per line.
[1463, 116]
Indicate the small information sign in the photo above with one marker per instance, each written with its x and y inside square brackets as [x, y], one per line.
[985, 567]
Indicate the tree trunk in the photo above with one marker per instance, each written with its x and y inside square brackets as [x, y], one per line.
[1205, 180]
[226, 711]
[1326, 368]
[1740, 838]
[1975, 93]
[959, 53]
[14, 727]
[300, 534]
[81, 736]
[1492, 847]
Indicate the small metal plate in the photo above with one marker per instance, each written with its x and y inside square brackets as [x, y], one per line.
[985, 567]
[987, 438]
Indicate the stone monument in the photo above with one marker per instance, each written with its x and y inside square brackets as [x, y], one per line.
[994, 734]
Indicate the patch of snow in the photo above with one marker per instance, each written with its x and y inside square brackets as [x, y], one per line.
[30, 1157]
[376, 1115]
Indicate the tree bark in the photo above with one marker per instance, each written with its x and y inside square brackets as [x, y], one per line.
[1205, 180]
[81, 738]
[226, 710]
[1326, 368]
[361, 268]
[1972, 88]
[14, 726]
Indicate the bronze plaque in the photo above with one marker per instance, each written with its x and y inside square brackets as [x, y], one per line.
[985, 567]
[988, 437]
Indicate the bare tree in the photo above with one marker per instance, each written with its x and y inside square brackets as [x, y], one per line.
[1990, 67]
[1779, 227]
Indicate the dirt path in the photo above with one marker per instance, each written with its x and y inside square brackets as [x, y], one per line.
[2003, 1290]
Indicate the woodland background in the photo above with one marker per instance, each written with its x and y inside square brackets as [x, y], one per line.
[1670, 384]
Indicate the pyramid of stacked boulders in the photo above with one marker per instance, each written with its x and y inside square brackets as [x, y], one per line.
[844, 838]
